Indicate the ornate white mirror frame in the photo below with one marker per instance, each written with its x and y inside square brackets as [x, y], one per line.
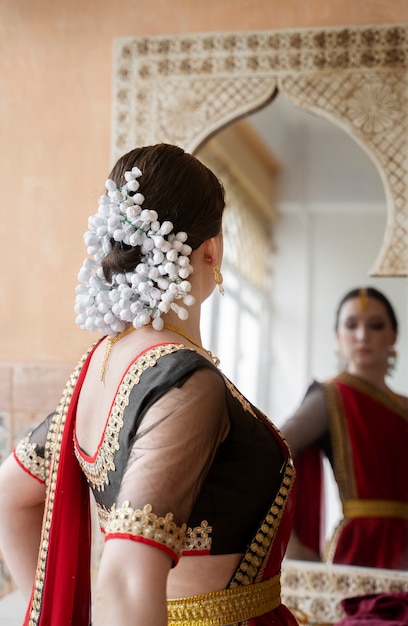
[183, 89]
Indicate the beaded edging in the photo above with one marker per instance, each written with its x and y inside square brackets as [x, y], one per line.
[253, 563]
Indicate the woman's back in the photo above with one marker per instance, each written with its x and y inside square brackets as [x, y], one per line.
[219, 460]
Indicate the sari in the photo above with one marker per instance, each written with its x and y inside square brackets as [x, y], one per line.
[62, 589]
[369, 437]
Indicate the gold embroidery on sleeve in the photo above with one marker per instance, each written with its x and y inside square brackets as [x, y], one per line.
[103, 515]
[247, 406]
[145, 523]
[27, 455]
[199, 537]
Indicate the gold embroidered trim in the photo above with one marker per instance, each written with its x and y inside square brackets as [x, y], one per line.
[254, 560]
[97, 471]
[375, 508]
[52, 448]
[103, 515]
[226, 606]
[390, 400]
[247, 406]
[238, 395]
[331, 546]
[26, 453]
[144, 523]
[343, 466]
[199, 537]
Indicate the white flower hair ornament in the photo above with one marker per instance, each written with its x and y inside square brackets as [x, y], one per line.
[141, 296]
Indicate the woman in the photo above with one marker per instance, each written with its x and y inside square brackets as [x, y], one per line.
[193, 485]
[362, 426]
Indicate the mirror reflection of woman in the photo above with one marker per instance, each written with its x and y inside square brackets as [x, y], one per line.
[361, 425]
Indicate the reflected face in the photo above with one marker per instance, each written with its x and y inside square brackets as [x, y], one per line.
[365, 334]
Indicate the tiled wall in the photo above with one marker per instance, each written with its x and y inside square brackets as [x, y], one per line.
[28, 393]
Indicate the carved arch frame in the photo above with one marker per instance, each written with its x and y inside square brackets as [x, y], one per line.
[182, 89]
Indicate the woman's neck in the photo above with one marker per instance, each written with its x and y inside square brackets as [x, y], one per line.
[190, 326]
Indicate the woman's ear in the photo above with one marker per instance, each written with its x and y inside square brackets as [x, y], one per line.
[212, 250]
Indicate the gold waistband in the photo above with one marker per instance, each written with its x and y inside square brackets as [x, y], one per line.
[375, 508]
[226, 606]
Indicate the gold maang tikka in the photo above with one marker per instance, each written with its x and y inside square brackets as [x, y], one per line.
[363, 298]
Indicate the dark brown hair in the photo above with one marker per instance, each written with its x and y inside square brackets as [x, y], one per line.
[371, 293]
[180, 188]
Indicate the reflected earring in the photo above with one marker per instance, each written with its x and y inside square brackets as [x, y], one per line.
[391, 359]
[218, 279]
[341, 360]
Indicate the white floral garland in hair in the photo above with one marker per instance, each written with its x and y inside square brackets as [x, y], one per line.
[139, 297]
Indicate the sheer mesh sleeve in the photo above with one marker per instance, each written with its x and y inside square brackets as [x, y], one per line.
[170, 456]
[30, 451]
[309, 423]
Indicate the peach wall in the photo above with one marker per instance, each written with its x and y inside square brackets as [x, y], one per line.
[55, 111]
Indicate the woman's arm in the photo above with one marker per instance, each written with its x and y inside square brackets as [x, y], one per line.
[309, 422]
[169, 459]
[298, 551]
[307, 425]
[131, 585]
[21, 510]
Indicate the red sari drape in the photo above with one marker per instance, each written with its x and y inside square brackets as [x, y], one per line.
[309, 516]
[61, 594]
[370, 443]
[369, 437]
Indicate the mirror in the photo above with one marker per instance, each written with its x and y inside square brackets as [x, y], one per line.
[332, 214]
[198, 84]
[327, 214]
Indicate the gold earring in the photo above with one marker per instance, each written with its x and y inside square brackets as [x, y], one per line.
[392, 359]
[341, 360]
[218, 279]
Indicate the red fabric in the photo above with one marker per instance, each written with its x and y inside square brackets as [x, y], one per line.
[145, 540]
[309, 515]
[374, 468]
[378, 439]
[382, 609]
[280, 616]
[375, 432]
[66, 598]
